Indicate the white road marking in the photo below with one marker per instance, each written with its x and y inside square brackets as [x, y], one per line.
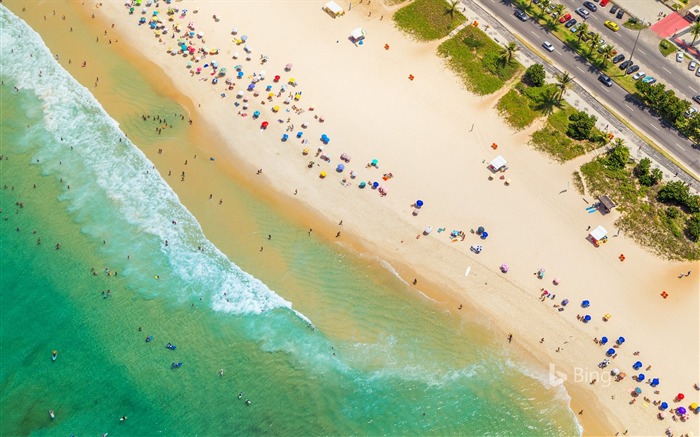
[579, 69]
[680, 147]
[533, 32]
[655, 127]
[642, 52]
[694, 90]
[664, 68]
[630, 108]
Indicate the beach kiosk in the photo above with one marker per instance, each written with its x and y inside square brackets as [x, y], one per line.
[357, 35]
[599, 235]
[498, 164]
[333, 9]
[606, 204]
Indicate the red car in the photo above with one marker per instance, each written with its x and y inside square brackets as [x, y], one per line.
[566, 17]
[604, 3]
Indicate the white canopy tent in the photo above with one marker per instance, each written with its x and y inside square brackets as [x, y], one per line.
[498, 163]
[333, 9]
[358, 34]
[599, 233]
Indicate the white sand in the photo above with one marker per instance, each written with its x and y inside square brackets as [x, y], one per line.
[421, 132]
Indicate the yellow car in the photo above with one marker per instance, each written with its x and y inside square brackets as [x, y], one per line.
[612, 25]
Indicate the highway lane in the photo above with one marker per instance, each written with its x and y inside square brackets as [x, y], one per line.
[586, 75]
[676, 75]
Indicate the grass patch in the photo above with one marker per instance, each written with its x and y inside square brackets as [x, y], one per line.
[666, 47]
[515, 109]
[578, 183]
[559, 120]
[634, 24]
[477, 60]
[642, 216]
[428, 20]
[552, 138]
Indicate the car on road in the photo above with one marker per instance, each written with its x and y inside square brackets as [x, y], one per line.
[548, 46]
[690, 112]
[649, 79]
[606, 80]
[570, 23]
[626, 64]
[614, 9]
[697, 98]
[604, 3]
[639, 75]
[522, 16]
[679, 56]
[692, 65]
[618, 58]
[564, 18]
[632, 69]
[582, 12]
[612, 25]
[620, 14]
[697, 72]
[591, 6]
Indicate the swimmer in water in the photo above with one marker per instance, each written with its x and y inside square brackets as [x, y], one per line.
[240, 395]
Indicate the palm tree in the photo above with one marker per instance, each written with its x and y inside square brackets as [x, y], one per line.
[549, 102]
[582, 30]
[618, 142]
[695, 31]
[508, 52]
[608, 52]
[452, 8]
[563, 82]
[593, 42]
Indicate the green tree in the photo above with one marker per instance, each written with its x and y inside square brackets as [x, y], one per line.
[608, 53]
[563, 83]
[618, 156]
[593, 42]
[508, 52]
[695, 31]
[452, 8]
[674, 192]
[656, 176]
[582, 31]
[581, 125]
[535, 74]
[692, 227]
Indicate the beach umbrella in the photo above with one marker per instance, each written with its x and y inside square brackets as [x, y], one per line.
[428, 230]
[615, 371]
[264, 125]
[244, 38]
[663, 405]
[654, 382]
[236, 55]
[587, 318]
[484, 235]
[288, 67]
[382, 189]
[693, 406]
[620, 340]
[603, 340]
[269, 88]
[419, 203]
[251, 87]
[374, 163]
[275, 108]
[375, 184]
[680, 396]
[504, 268]
[340, 168]
[362, 184]
[299, 134]
[610, 352]
[564, 302]
[240, 94]
[285, 137]
[638, 390]
[323, 174]
[681, 410]
[586, 303]
[641, 377]
[256, 114]
[240, 74]
[276, 79]
[637, 365]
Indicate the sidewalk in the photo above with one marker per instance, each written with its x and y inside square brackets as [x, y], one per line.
[579, 97]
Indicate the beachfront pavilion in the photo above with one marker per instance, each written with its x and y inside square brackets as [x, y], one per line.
[606, 203]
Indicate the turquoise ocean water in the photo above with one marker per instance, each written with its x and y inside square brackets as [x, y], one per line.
[368, 356]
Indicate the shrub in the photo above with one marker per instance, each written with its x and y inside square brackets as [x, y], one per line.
[618, 157]
[692, 227]
[535, 75]
[674, 192]
[672, 212]
[580, 125]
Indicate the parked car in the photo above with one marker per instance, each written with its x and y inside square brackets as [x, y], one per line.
[612, 25]
[604, 3]
[649, 79]
[697, 98]
[679, 56]
[591, 6]
[614, 9]
[639, 75]
[570, 23]
[690, 112]
[626, 64]
[574, 29]
[620, 14]
[564, 18]
[549, 8]
[606, 80]
[692, 65]
[618, 58]
[521, 15]
[582, 12]
[697, 72]
[548, 46]
[632, 69]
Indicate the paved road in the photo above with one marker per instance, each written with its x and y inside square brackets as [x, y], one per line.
[676, 75]
[501, 11]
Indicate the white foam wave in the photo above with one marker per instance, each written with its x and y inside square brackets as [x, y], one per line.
[115, 189]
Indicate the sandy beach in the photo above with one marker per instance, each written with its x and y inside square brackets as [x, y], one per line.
[432, 141]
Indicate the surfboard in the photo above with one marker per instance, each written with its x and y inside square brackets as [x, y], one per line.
[469, 269]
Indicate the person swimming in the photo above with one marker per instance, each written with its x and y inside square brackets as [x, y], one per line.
[240, 395]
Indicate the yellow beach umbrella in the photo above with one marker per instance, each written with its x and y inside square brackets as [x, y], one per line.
[275, 108]
[305, 152]
[323, 174]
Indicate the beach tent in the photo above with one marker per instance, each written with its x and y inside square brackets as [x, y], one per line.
[598, 234]
[358, 34]
[498, 163]
[333, 9]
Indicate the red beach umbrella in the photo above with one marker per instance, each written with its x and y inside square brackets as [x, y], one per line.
[680, 396]
[264, 125]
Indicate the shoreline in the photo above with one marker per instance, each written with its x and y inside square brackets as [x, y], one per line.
[352, 238]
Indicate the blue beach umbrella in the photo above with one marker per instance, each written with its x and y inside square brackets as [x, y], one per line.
[641, 377]
[586, 303]
[256, 114]
[419, 203]
[604, 340]
[637, 365]
[299, 134]
[240, 74]
[654, 382]
[620, 340]
[340, 168]
[586, 318]
[663, 405]
[284, 137]
[638, 390]
[375, 184]
[485, 234]
[610, 352]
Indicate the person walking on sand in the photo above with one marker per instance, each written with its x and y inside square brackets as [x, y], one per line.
[510, 338]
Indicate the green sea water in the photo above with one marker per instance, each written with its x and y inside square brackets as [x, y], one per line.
[332, 344]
